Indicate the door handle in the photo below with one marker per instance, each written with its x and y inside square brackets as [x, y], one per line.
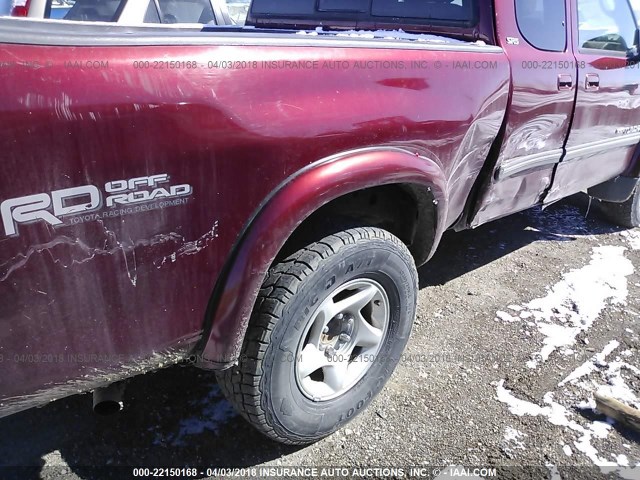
[565, 82]
[592, 82]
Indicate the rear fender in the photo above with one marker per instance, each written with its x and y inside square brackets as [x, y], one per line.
[278, 217]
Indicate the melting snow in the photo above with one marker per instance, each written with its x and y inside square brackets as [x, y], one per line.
[622, 460]
[614, 385]
[568, 310]
[560, 416]
[505, 317]
[514, 437]
[632, 237]
[590, 366]
[574, 303]
[553, 472]
[385, 34]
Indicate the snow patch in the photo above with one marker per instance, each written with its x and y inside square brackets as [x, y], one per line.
[632, 237]
[610, 373]
[558, 415]
[622, 460]
[615, 386]
[387, 35]
[505, 317]
[514, 437]
[574, 303]
[554, 474]
[589, 366]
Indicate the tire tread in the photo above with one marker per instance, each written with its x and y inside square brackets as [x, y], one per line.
[241, 384]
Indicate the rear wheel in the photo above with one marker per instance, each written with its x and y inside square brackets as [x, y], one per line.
[625, 214]
[327, 331]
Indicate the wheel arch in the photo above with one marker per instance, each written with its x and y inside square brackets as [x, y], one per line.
[301, 198]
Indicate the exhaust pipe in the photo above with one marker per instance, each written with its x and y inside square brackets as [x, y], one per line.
[108, 400]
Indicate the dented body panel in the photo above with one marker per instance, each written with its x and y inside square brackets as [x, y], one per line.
[143, 198]
[120, 279]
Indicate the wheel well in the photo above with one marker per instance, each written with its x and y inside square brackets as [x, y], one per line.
[406, 210]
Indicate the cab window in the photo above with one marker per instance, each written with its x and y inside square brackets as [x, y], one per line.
[543, 23]
[605, 25]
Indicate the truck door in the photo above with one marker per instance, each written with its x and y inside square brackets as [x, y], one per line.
[606, 125]
[536, 39]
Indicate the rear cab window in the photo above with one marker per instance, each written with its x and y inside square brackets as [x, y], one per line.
[409, 15]
[444, 11]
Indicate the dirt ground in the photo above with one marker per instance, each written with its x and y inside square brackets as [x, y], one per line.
[519, 323]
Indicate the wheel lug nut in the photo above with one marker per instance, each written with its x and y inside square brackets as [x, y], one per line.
[344, 337]
[340, 316]
[325, 330]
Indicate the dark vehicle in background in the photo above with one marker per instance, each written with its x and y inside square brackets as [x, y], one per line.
[135, 12]
[257, 199]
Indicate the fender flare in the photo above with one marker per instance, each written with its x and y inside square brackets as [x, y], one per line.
[277, 218]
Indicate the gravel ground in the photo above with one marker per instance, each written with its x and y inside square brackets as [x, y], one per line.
[506, 313]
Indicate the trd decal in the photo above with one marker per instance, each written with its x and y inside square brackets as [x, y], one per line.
[122, 194]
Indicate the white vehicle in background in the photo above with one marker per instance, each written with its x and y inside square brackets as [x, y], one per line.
[133, 12]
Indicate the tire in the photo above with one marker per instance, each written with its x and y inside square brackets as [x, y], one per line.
[625, 214]
[287, 338]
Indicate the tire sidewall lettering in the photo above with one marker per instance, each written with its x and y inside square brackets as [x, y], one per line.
[374, 260]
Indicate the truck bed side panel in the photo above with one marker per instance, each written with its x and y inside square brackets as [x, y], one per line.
[115, 283]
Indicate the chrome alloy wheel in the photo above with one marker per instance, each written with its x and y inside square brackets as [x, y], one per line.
[342, 339]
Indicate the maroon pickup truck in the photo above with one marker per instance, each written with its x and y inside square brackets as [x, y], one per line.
[257, 199]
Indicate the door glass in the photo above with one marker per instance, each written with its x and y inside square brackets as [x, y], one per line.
[605, 25]
[543, 23]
